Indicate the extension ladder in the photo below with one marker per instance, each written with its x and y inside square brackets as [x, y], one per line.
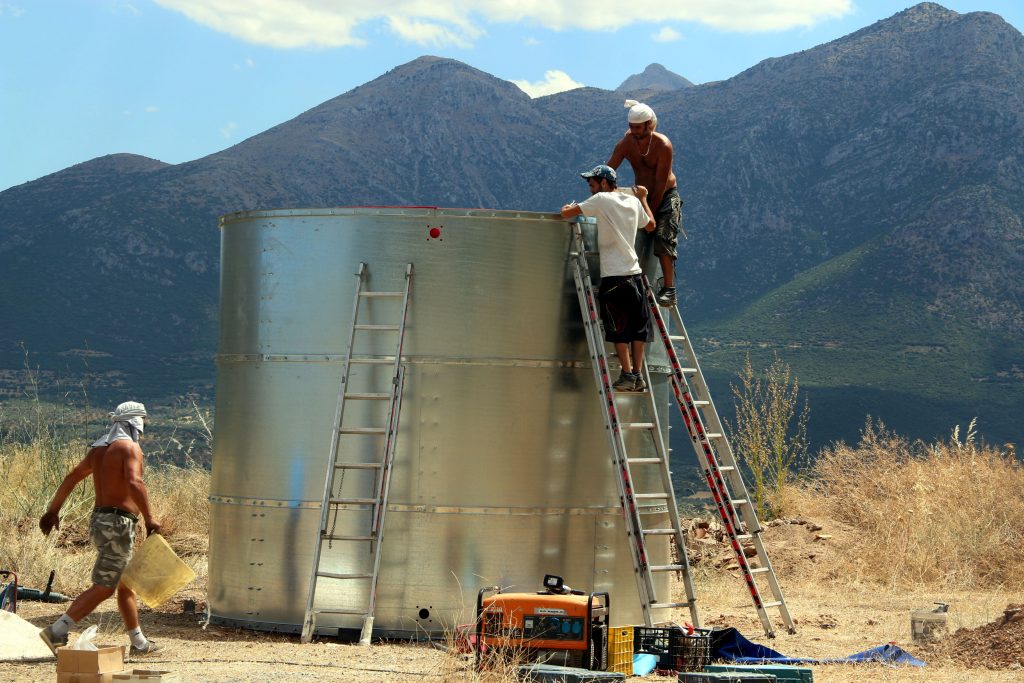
[624, 462]
[719, 466]
[376, 500]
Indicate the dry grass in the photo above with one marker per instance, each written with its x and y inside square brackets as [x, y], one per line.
[947, 515]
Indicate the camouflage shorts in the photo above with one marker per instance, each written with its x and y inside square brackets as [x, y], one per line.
[113, 534]
[669, 217]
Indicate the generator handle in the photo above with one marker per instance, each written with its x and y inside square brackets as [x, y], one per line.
[480, 619]
[607, 605]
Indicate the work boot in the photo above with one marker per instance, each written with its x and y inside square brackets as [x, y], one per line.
[625, 382]
[52, 640]
[149, 648]
[666, 297]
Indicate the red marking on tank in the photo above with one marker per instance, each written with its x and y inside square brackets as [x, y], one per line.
[435, 232]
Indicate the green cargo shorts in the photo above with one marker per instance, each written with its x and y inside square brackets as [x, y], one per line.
[113, 534]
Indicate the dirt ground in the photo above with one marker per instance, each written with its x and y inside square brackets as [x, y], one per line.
[984, 640]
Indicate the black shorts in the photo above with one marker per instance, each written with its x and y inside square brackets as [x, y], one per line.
[624, 309]
[669, 217]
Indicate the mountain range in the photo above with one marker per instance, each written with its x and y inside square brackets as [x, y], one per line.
[855, 208]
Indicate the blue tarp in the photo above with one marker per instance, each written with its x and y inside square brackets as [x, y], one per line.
[730, 645]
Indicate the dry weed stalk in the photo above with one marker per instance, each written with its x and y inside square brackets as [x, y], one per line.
[947, 515]
[770, 435]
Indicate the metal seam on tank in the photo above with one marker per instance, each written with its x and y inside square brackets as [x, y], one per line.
[244, 358]
[504, 511]
[407, 212]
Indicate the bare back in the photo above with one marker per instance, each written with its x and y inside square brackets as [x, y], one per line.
[111, 468]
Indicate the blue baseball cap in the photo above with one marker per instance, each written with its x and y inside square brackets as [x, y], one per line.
[601, 171]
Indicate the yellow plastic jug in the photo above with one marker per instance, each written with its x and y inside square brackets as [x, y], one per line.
[155, 573]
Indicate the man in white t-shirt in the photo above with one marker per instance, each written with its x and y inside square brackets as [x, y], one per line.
[627, 322]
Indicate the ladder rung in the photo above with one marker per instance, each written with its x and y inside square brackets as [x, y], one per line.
[644, 461]
[773, 603]
[353, 501]
[701, 404]
[332, 575]
[666, 567]
[357, 466]
[371, 295]
[760, 570]
[339, 610]
[378, 328]
[713, 435]
[668, 605]
[373, 361]
[650, 496]
[329, 537]
[744, 537]
[367, 397]
[726, 468]
[361, 430]
[676, 337]
[739, 501]
[637, 425]
[660, 532]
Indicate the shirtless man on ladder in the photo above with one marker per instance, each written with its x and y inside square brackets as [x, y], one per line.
[650, 155]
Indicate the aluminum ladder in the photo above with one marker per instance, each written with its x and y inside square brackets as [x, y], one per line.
[718, 465]
[624, 463]
[376, 500]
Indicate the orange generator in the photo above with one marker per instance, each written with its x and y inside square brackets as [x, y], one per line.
[557, 625]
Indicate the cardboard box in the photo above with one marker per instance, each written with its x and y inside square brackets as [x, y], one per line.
[105, 660]
[146, 676]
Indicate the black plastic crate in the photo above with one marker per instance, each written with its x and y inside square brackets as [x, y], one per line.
[676, 649]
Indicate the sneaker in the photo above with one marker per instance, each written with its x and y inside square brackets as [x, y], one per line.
[52, 640]
[639, 384]
[666, 297]
[625, 382]
[149, 648]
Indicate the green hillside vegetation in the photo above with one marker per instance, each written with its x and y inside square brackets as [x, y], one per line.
[884, 354]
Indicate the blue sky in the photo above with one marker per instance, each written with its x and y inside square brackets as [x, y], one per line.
[179, 79]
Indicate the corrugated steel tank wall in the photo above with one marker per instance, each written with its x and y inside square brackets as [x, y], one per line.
[502, 471]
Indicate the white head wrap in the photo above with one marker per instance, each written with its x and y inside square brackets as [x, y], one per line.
[639, 112]
[127, 423]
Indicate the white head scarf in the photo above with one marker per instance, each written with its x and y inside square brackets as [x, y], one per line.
[127, 423]
[639, 112]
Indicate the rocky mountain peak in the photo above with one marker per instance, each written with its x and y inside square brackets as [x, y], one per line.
[654, 78]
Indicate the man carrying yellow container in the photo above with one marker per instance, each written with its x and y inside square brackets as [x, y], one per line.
[115, 463]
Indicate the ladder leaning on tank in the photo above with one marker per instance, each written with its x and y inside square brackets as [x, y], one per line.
[719, 467]
[382, 468]
[624, 462]
[714, 454]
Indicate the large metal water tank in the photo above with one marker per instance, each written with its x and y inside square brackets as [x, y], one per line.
[502, 471]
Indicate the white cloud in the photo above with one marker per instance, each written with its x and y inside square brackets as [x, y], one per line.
[530, 41]
[667, 34]
[329, 23]
[228, 131]
[11, 10]
[427, 33]
[554, 81]
[249, 62]
[152, 109]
